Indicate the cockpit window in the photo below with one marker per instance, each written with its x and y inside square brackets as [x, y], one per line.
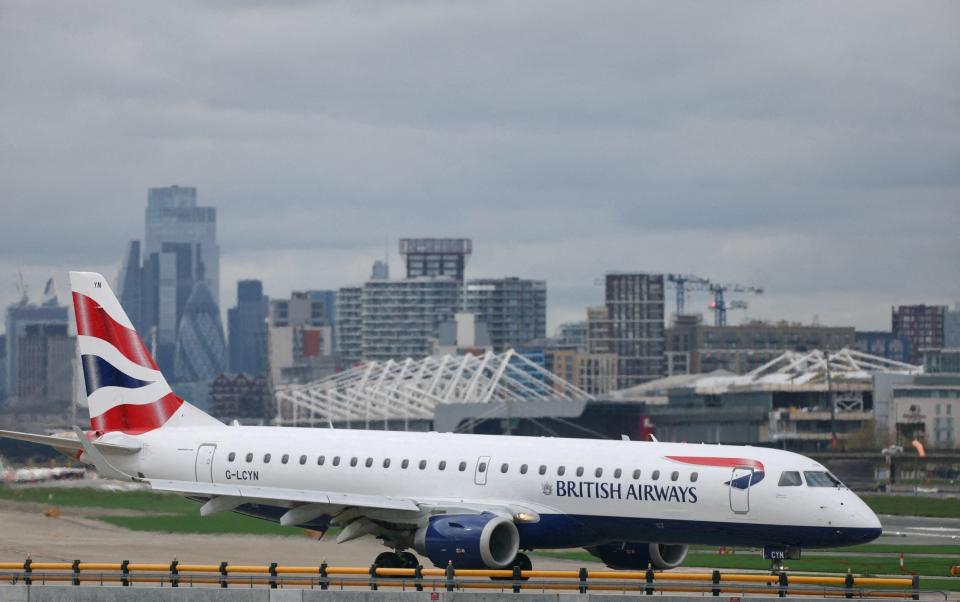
[816, 478]
[790, 478]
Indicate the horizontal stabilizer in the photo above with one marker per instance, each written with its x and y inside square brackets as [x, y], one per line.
[69, 441]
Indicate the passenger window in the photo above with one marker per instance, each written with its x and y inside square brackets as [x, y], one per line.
[636, 474]
[369, 462]
[336, 460]
[674, 475]
[249, 458]
[386, 462]
[232, 457]
[482, 467]
[266, 458]
[561, 470]
[303, 459]
[543, 469]
[693, 477]
[423, 464]
[504, 467]
[656, 475]
[404, 464]
[442, 465]
[353, 461]
[579, 471]
[598, 472]
[320, 460]
[285, 458]
[790, 478]
[523, 469]
[463, 466]
[617, 473]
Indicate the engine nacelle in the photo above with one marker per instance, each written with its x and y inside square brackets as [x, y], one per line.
[638, 556]
[469, 541]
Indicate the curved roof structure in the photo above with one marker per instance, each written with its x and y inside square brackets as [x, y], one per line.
[411, 389]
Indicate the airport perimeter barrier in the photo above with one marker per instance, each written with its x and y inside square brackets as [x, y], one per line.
[324, 577]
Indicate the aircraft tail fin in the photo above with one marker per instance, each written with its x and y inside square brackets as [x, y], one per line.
[125, 389]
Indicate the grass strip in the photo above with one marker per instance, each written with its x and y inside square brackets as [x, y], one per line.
[911, 505]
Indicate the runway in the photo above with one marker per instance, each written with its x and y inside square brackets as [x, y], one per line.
[26, 531]
[919, 530]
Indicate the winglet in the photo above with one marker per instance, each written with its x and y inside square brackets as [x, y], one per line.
[104, 468]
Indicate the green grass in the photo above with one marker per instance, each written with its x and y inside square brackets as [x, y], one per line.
[819, 564]
[194, 523]
[909, 505]
[99, 498]
[166, 513]
[869, 548]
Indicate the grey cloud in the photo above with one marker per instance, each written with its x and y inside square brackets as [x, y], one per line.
[809, 148]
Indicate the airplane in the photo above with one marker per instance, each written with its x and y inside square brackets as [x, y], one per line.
[473, 501]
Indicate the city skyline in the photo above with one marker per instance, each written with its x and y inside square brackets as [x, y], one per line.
[807, 152]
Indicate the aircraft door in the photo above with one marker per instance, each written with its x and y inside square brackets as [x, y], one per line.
[204, 467]
[483, 467]
[740, 481]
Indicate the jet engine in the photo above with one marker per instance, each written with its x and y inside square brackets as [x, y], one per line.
[637, 556]
[469, 541]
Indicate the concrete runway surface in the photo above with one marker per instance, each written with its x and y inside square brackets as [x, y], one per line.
[25, 530]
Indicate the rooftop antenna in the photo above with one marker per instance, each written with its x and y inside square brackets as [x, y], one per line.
[22, 288]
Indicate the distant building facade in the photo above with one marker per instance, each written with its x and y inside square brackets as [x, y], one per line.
[436, 256]
[631, 327]
[247, 327]
[594, 373]
[741, 349]
[928, 407]
[396, 319]
[241, 397]
[380, 271]
[922, 325]
[40, 352]
[951, 327]
[514, 309]
[300, 337]
[572, 335]
[884, 344]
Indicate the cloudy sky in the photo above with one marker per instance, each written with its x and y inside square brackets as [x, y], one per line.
[810, 148]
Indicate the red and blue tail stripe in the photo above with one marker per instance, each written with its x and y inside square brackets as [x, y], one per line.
[94, 321]
[99, 373]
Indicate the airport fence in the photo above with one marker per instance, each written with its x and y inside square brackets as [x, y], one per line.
[273, 575]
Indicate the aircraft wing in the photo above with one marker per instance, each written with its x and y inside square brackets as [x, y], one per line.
[267, 494]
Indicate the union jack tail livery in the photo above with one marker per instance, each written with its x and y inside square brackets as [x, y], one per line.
[125, 389]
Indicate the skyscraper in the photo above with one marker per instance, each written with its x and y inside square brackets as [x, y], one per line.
[200, 349]
[180, 249]
[248, 330]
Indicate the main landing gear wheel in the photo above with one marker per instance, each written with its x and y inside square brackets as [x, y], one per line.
[408, 560]
[389, 560]
[520, 560]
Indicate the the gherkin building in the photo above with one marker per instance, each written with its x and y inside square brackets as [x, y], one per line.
[200, 353]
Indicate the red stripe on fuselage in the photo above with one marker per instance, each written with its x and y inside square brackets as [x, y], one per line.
[721, 462]
[93, 321]
[135, 419]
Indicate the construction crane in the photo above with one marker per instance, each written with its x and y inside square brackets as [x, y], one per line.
[720, 306]
[684, 283]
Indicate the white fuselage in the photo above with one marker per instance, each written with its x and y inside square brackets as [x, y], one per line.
[608, 490]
